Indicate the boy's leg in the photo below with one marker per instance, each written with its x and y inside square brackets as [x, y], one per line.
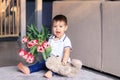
[49, 74]
[33, 68]
[23, 68]
[37, 66]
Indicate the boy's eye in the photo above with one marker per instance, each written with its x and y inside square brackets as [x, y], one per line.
[60, 26]
[54, 26]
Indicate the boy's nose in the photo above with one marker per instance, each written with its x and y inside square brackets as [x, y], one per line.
[57, 28]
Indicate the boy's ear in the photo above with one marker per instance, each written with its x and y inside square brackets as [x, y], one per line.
[66, 28]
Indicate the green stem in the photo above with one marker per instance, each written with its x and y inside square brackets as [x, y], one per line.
[44, 56]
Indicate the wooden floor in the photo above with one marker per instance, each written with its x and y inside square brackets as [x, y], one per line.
[8, 52]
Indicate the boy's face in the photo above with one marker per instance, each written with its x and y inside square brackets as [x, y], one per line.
[59, 28]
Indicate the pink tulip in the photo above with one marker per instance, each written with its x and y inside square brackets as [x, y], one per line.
[25, 40]
[45, 44]
[32, 43]
[22, 52]
[25, 56]
[40, 48]
[30, 58]
[35, 42]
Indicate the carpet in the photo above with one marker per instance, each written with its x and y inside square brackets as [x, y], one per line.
[12, 73]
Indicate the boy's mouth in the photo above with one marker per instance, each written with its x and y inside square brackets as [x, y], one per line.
[57, 32]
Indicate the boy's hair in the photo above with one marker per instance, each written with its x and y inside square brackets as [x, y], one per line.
[60, 18]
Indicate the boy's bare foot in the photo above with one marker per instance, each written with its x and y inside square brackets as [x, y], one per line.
[23, 68]
[48, 74]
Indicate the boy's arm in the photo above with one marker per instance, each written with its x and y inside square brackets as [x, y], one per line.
[66, 55]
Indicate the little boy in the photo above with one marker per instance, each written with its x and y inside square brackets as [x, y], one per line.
[60, 44]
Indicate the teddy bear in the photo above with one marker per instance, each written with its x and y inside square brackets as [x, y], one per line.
[69, 70]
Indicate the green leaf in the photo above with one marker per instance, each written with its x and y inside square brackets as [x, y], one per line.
[30, 37]
[47, 51]
[33, 50]
[34, 29]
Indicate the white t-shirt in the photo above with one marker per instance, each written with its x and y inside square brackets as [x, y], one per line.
[59, 45]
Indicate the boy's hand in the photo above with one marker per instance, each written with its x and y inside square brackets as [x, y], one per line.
[64, 63]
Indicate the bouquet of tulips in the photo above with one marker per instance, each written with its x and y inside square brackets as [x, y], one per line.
[36, 42]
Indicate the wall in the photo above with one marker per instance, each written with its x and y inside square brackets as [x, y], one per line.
[94, 30]
[84, 30]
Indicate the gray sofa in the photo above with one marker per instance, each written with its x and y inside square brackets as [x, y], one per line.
[94, 28]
